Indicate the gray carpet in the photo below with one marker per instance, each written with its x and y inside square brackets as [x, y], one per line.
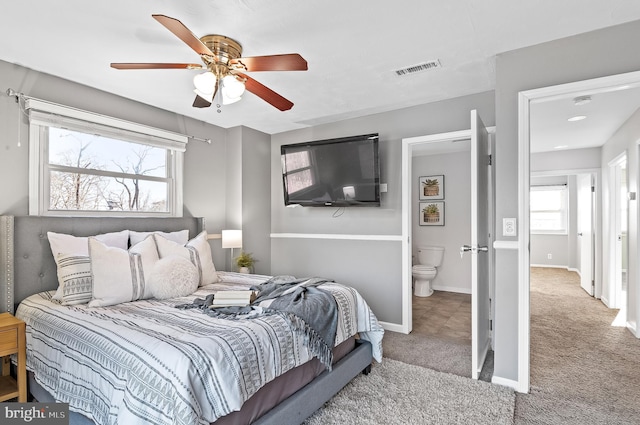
[583, 370]
[441, 354]
[437, 353]
[403, 394]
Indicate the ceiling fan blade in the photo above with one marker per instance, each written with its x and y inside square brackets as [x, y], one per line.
[201, 103]
[266, 94]
[184, 34]
[156, 66]
[288, 62]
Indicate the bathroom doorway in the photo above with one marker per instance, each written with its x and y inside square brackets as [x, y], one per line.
[457, 227]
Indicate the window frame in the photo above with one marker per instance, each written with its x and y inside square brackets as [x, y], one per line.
[43, 115]
[564, 209]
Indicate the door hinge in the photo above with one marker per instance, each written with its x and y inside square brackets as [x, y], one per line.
[593, 189]
[490, 324]
[490, 159]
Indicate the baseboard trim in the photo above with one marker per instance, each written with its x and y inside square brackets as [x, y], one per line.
[505, 382]
[631, 326]
[393, 327]
[451, 289]
[483, 355]
[551, 266]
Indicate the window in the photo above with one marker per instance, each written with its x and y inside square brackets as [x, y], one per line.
[549, 211]
[88, 164]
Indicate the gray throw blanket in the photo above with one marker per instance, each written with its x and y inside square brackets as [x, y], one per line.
[310, 311]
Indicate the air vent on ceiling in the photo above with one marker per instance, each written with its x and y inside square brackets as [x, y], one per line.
[421, 67]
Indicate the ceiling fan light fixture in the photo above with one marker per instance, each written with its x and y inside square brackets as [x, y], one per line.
[232, 87]
[205, 82]
[229, 100]
[206, 96]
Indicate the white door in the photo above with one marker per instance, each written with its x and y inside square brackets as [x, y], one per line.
[480, 309]
[585, 231]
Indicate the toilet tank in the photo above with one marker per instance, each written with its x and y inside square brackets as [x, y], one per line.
[430, 255]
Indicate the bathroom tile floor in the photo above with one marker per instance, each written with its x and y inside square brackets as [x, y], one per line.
[443, 314]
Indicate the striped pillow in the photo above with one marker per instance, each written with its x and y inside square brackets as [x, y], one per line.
[74, 276]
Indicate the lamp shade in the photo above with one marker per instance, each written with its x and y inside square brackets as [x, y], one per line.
[232, 89]
[205, 82]
[232, 238]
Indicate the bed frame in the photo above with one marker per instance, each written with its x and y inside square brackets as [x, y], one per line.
[27, 267]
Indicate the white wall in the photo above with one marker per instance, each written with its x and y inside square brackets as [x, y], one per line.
[454, 274]
[625, 139]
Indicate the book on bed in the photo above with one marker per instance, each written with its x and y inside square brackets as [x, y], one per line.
[233, 298]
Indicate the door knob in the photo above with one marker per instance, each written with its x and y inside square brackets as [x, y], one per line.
[465, 248]
[483, 248]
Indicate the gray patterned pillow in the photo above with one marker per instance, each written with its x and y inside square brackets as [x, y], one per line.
[74, 276]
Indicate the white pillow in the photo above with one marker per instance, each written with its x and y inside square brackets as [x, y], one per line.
[181, 236]
[173, 277]
[74, 275]
[197, 250]
[120, 275]
[62, 243]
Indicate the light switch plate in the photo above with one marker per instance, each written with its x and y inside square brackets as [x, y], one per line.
[509, 227]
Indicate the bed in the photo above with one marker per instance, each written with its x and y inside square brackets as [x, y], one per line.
[164, 364]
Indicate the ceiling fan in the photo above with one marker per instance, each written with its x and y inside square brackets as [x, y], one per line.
[224, 80]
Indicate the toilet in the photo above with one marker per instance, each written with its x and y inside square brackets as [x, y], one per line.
[429, 257]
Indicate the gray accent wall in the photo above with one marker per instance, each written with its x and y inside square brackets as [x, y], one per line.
[595, 54]
[454, 274]
[256, 197]
[377, 270]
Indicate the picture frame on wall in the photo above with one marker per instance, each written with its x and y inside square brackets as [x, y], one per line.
[431, 214]
[431, 187]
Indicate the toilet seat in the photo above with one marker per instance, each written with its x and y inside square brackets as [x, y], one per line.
[422, 268]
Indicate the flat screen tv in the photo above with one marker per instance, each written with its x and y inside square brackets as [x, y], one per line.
[332, 173]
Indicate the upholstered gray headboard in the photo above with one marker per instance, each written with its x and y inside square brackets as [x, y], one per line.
[27, 262]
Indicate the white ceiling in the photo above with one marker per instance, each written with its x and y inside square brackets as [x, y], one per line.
[608, 109]
[352, 47]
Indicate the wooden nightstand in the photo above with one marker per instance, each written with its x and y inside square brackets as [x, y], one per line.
[13, 341]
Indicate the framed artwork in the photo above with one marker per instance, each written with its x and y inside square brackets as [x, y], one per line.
[431, 187]
[431, 213]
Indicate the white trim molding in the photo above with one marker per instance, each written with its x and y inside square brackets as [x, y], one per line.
[525, 99]
[393, 327]
[505, 382]
[335, 236]
[506, 245]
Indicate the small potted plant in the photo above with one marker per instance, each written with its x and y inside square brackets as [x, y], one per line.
[431, 187]
[431, 213]
[245, 261]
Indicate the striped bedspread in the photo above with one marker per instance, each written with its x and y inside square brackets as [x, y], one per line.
[148, 362]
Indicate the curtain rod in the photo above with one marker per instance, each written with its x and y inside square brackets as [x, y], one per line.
[12, 93]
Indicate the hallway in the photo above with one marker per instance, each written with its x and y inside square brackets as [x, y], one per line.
[583, 369]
